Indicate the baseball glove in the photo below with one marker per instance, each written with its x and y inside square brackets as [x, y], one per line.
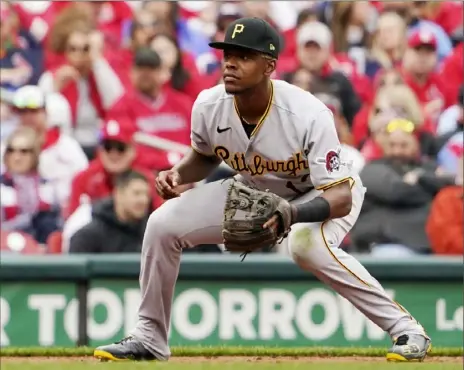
[246, 211]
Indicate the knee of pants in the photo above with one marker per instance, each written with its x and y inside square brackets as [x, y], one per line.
[162, 225]
[307, 244]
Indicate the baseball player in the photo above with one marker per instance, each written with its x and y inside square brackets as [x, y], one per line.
[283, 145]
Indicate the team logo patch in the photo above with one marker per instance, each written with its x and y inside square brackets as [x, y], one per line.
[332, 161]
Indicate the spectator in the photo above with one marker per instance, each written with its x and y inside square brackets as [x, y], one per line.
[21, 58]
[109, 17]
[447, 14]
[452, 119]
[391, 102]
[181, 79]
[452, 150]
[419, 65]
[136, 35]
[445, 222]
[400, 189]
[388, 44]
[420, 14]
[226, 14]
[289, 46]
[155, 110]
[85, 78]
[350, 26]
[452, 70]
[300, 77]
[61, 157]
[116, 154]
[29, 203]
[190, 40]
[8, 120]
[314, 40]
[118, 223]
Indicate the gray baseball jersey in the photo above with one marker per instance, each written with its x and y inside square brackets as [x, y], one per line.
[293, 149]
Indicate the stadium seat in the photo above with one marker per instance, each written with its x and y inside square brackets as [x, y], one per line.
[19, 243]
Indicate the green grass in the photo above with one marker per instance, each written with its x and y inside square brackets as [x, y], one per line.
[228, 351]
[231, 366]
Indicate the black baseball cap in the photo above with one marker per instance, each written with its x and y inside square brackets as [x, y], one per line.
[253, 34]
[146, 57]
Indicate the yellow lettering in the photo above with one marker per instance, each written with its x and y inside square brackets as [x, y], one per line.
[237, 29]
[258, 166]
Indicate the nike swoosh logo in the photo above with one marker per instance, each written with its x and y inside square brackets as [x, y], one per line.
[221, 130]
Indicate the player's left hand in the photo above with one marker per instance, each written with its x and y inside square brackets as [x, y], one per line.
[275, 222]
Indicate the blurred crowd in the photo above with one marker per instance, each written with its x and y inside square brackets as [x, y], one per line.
[96, 98]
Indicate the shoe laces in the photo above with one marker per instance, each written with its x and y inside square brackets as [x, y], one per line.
[124, 340]
[402, 340]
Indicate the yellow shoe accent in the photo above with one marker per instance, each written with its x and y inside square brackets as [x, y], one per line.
[106, 356]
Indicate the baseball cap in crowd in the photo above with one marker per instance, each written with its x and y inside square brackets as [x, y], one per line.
[253, 34]
[146, 57]
[228, 11]
[29, 97]
[316, 32]
[422, 38]
[120, 130]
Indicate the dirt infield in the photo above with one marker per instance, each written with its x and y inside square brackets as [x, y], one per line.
[231, 359]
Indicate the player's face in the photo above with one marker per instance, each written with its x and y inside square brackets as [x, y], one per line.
[116, 157]
[244, 69]
[135, 198]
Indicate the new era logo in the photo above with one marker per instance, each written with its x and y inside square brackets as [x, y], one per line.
[272, 47]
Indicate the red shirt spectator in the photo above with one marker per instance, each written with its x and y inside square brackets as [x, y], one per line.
[449, 15]
[116, 154]
[85, 79]
[419, 73]
[109, 17]
[154, 110]
[452, 70]
[445, 223]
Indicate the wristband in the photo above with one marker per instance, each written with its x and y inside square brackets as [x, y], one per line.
[316, 210]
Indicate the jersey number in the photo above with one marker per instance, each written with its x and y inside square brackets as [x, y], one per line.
[290, 185]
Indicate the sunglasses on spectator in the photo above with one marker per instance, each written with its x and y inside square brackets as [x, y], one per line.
[80, 49]
[109, 145]
[400, 124]
[23, 151]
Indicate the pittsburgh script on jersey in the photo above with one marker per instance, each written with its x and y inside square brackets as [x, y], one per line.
[257, 165]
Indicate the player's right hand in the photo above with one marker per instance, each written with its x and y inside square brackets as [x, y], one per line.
[166, 184]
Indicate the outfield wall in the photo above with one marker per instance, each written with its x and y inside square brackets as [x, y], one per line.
[265, 300]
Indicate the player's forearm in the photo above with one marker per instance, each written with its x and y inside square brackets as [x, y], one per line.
[335, 202]
[196, 167]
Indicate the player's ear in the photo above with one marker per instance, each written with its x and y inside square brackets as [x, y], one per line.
[270, 67]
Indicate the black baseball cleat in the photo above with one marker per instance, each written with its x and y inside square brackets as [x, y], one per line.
[128, 349]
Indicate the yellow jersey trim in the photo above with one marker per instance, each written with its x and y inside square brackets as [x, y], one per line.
[266, 112]
[332, 184]
[327, 244]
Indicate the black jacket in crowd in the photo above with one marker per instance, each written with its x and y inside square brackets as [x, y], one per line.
[106, 234]
[395, 212]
